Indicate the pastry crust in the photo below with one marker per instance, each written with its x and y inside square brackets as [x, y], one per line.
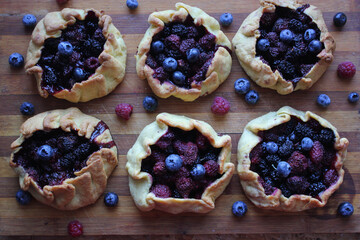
[112, 59]
[249, 179]
[245, 40]
[140, 182]
[90, 181]
[217, 72]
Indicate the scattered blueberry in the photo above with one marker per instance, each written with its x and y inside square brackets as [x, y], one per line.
[286, 36]
[345, 209]
[79, 74]
[132, 4]
[198, 172]
[111, 199]
[23, 197]
[29, 20]
[45, 153]
[242, 86]
[192, 55]
[309, 35]
[315, 46]
[150, 103]
[340, 19]
[16, 60]
[263, 45]
[252, 97]
[353, 97]
[170, 64]
[306, 143]
[239, 208]
[157, 47]
[173, 162]
[178, 78]
[226, 19]
[271, 147]
[65, 48]
[283, 169]
[323, 100]
[27, 108]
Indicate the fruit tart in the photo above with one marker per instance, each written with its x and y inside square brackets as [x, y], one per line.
[290, 160]
[64, 158]
[179, 164]
[183, 53]
[284, 45]
[77, 55]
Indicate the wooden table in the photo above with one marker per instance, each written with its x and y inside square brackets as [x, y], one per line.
[38, 219]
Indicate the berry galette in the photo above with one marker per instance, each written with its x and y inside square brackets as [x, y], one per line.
[284, 45]
[64, 158]
[183, 53]
[77, 55]
[179, 165]
[290, 160]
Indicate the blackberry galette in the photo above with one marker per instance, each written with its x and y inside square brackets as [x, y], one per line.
[77, 55]
[290, 160]
[64, 158]
[284, 45]
[179, 165]
[183, 53]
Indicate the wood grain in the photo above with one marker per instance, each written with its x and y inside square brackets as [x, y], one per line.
[37, 219]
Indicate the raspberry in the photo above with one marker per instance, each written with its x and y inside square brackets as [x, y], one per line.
[267, 187]
[151, 62]
[255, 154]
[346, 70]
[173, 42]
[192, 32]
[166, 140]
[280, 24]
[159, 168]
[187, 151]
[183, 172]
[297, 184]
[267, 19]
[92, 63]
[186, 45]
[124, 110]
[272, 37]
[220, 106]
[296, 25]
[161, 191]
[158, 156]
[298, 163]
[317, 152]
[75, 228]
[202, 142]
[207, 41]
[184, 185]
[160, 74]
[329, 157]
[330, 177]
[211, 168]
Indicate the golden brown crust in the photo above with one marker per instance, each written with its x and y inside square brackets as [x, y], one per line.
[112, 59]
[245, 40]
[140, 182]
[249, 179]
[217, 72]
[90, 181]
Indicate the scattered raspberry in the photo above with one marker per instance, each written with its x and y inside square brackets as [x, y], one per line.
[330, 177]
[220, 106]
[184, 185]
[75, 228]
[124, 110]
[317, 152]
[297, 184]
[211, 168]
[161, 191]
[298, 163]
[159, 168]
[346, 70]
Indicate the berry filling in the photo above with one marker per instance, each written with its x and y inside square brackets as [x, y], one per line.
[296, 157]
[182, 53]
[289, 42]
[50, 157]
[182, 164]
[72, 57]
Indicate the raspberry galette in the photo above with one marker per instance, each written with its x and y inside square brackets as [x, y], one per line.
[179, 165]
[64, 158]
[290, 160]
[77, 55]
[183, 53]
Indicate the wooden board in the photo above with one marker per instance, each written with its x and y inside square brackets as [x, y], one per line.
[16, 87]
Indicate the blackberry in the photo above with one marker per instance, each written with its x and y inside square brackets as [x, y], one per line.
[173, 53]
[305, 68]
[176, 194]
[160, 58]
[274, 177]
[296, 25]
[272, 37]
[151, 62]
[180, 30]
[67, 161]
[209, 156]
[264, 169]
[279, 25]
[83, 150]
[274, 52]
[286, 148]
[297, 184]
[316, 188]
[302, 131]
[326, 137]
[286, 69]
[285, 190]
[49, 75]
[315, 176]
[273, 159]
[267, 19]
[92, 48]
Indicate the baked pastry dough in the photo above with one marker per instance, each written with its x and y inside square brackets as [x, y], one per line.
[251, 181]
[140, 182]
[90, 181]
[245, 47]
[217, 71]
[112, 59]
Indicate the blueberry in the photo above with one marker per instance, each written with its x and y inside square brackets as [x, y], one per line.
[315, 46]
[132, 4]
[309, 35]
[192, 55]
[263, 45]
[65, 48]
[45, 153]
[198, 172]
[239, 208]
[173, 162]
[226, 19]
[242, 86]
[286, 36]
[157, 47]
[23, 197]
[306, 143]
[150, 103]
[283, 169]
[353, 97]
[79, 74]
[29, 20]
[345, 209]
[170, 64]
[27, 108]
[323, 100]
[271, 147]
[340, 19]
[16, 60]
[178, 78]
[252, 97]
[111, 199]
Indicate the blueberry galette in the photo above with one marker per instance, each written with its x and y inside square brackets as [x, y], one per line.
[290, 160]
[77, 55]
[179, 165]
[183, 53]
[64, 158]
[284, 45]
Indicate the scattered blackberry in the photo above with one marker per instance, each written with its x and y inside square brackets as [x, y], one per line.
[316, 188]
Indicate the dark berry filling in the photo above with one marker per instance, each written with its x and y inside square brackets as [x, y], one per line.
[51, 157]
[197, 170]
[289, 42]
[309, 150]
[62, 71]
